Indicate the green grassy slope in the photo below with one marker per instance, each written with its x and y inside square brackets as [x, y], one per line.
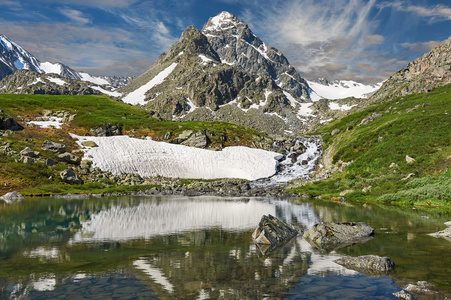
[91, 112]
[416, 125]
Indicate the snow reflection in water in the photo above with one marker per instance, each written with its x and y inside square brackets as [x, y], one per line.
[149, 219]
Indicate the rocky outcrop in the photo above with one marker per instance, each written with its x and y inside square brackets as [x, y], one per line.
[326, 236]
[70, 177]
[53, 146]
[421, 75]
[272, 231]
[8, 123]
[106, 129]
[368, 264]
[12, 197]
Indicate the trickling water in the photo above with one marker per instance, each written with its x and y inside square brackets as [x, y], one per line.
[302, 167]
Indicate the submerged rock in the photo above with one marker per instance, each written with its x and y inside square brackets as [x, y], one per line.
[272, 231]
[368, 264]
[332, 235]
[445, 233]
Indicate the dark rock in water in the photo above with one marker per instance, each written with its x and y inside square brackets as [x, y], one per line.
[52, 146]
[368, 264]
[332, 235]
[271, 231]
[8, 123]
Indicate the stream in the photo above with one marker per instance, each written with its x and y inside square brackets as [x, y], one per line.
[163, 247]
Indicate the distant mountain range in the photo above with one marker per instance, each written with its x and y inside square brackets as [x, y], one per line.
[13, 57]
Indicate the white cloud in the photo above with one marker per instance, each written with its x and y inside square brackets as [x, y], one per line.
[75, 15]
[434, 13]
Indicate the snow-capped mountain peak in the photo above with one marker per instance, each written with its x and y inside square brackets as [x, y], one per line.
[221, 21]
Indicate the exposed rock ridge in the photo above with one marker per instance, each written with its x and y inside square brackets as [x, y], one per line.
[238, 46]
[431, 70]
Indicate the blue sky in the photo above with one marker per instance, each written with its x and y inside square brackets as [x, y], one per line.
[362, 40]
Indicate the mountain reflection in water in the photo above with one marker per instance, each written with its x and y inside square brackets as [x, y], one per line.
[194, 248]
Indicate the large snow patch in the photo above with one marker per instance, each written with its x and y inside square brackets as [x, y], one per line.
[122, 154]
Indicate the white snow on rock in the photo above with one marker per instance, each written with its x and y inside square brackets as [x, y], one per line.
[122, 154]
[93, 79]
[341, 89]
[56, 80]
[106, 92]
[337, 106]
[138, 95]
[48, 67]
[55, 122]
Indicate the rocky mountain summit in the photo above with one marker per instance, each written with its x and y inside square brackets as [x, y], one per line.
[431, 70]
[238, 46]
[194, 81]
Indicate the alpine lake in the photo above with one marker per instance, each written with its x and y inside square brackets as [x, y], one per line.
[167, 247]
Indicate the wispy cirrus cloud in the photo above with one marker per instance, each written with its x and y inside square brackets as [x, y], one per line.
[75, 15]
[433, 14]
[320, 38]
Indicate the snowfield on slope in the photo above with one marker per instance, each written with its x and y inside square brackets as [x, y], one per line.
[341, 89]
[139, 95]
[148, 158]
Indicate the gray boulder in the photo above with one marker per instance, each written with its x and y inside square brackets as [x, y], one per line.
[368, 264]
[197, 140]
[52, 146]
[12, 197]
[69, 158]
[70, 177]
[272, 231]
[28, 152]
[106, 129]
[327, 236]
[8, 123]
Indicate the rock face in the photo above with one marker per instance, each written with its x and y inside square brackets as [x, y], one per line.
[230, 38]
[332, 235]
[261, 90]
[272, 231]
[52, 146]
[368, 264]
[421, 75]
[8, 123]
[70, 177]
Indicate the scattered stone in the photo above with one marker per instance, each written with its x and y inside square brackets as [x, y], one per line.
[272, 231]
[12, 197]
[47, 113]
[183, 136]
[445, 233]
[28, 160]
[338, 199]
[393, 165]
[335, 131]
[326, 236]
[49, 162]
[346, 192]
[89, 144]
[367, 189]
[28, 152]
[368, 264]
[350, 127]
[52, 146]
[402, 294]
[409, 159]
[85, 164]
[420, 288]
[70, 177]
[409, 176]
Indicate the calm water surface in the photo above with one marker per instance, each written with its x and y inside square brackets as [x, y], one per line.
[201, 248]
